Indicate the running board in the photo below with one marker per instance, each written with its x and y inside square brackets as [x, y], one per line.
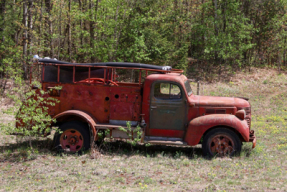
[116, 132]
[109, 126]
[164, 140]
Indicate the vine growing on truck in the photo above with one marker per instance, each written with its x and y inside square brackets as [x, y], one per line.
[30, 109]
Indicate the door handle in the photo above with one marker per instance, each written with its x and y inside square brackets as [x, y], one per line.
[153, 107]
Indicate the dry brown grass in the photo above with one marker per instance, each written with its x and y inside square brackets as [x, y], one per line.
[120, 167]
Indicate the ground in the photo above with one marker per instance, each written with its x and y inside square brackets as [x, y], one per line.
[120, 167]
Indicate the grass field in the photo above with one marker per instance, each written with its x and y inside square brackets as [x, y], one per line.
[120, 167]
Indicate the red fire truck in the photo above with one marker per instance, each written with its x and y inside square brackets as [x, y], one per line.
[95, 97]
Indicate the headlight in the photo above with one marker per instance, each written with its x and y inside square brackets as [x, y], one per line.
[241, 114]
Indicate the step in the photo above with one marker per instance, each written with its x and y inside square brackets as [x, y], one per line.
[108, 126]
[148, 138]
[114, 124]
[157, 142]
[164, 140]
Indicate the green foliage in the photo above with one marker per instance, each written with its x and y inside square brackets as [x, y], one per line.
[162, 32]
[226, 32]
[134, 134]
[30, 110]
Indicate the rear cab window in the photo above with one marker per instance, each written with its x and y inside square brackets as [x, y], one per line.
[167, 91]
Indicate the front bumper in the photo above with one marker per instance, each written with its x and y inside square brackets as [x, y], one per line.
[252, 138]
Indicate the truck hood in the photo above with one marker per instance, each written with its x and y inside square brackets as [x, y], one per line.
[212, 101]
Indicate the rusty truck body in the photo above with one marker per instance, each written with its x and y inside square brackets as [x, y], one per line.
[158, 99]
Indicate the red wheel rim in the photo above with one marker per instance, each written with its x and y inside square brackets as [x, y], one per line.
[71, 140]
[221, 145]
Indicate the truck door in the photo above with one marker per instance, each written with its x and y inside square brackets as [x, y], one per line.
[167, 110]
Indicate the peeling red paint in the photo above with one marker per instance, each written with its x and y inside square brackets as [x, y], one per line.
[100, 99]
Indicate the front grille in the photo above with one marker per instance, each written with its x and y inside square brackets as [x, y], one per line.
[248, 115]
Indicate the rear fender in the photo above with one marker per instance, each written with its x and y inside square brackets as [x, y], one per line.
[200, 125]
[72, 115]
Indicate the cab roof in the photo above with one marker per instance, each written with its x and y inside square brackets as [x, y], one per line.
[176, 77]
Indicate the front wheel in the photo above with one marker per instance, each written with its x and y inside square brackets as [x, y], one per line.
[73, 137]
[221, 142]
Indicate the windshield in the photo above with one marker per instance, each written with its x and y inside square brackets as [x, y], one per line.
[187, 87]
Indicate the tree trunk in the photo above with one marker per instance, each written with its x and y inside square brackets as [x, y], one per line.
[93, 20]
[70, 32]
[202, 23]
[2, 22]
[2, 36]
[279, 63]
[215, 30]
[30, 25]
[284, 53]
[49, 40]
[81, 24]
[224, 16]
[60, 30]
[25, 37]
[40, 27]
[113, 51]
[118, 37]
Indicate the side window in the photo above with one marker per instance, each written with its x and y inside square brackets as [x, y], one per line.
[167, 91]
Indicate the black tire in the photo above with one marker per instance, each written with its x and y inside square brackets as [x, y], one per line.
[74, 137]
[221, 142]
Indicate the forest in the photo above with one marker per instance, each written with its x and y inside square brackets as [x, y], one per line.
[227, 34]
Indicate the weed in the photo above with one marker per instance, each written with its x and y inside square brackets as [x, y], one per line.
[120, 180]
[185, 162]
[148, 180]
[178, 154]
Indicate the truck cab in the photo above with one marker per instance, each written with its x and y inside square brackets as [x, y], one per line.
[159, 102]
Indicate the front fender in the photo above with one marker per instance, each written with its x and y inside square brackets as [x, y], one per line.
[198, 126]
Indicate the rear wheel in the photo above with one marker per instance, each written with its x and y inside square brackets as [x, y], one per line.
[74, 137]
[221, 142]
